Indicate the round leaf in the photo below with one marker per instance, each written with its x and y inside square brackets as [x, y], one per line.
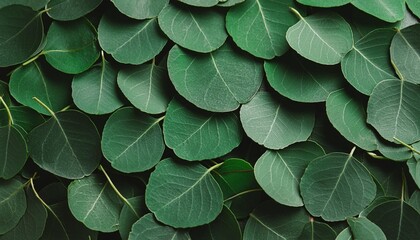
[194, 134]
[125, 39]
[324, 37]
[66, 10]
[368, 62]
[95, 91]
[345, 235]
[132, 141]
[336, 186]
[279, 172]
[201, 3]
[325, 3]
[12, 204]
[317, 231]
[230, 80]
[199, 30]
[93, 202]
[229, 3]
[387, 10]
[414, 200]
[129, 216]
[363, 228]
[14, 151]
[71, 46]
[67, 145]
[146, 87]
[142, 9]
[259, 26]
[4, 93]
[22, 33]
[273, 124]
[24, 117]
[414, 6]
[183, 194]
[30, 3]
[394, 110]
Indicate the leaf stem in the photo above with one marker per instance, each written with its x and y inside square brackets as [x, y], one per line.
[32, 59]
[214, 167]
[44, 106]
[374, 155]
[65, 108]
[243, 193]
[296, 12]
[117, 191]
[407, 146]
[352, 151]
[9, 114]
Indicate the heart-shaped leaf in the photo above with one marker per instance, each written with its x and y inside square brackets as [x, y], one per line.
[387, 10]
[12, 204]
[140, 10]
[183, 194]
[363, 228]
[317, 231]
[66, 10]
[324, 3]
[230, 78]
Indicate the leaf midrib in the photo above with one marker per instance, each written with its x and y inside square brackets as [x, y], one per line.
[132, 37]
[267, 227]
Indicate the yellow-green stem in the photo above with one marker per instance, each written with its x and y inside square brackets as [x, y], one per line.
[243, 193]
[44, 106]
[9, 114]
[407, 146]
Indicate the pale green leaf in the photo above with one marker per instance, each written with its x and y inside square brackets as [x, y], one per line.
[140, 9]
[345, 235]
[200, 3]
[414, 6]
[387, 10]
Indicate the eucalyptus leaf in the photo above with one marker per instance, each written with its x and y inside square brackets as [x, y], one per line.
[275, 124]
[197, 29]
[142, 9]
[14, 151]
[201, 3]
[66, 10]
[325, 3]
[414, 167]
[336, 186]
[24, 117]
[279, 172]
[387, 10]
[18, 24]
[183, 194]
[345, 235]
[393, 110]
[317, 231]
[125, 38]
[132, 141]
[414, 6]
[396, 152]
[93, 202]
[67, 145]
[230, 80]
[229, 3]
[4, 93]
[194, 134]
[36, 5]
[259, 26]
[129, 216]
[363, 228]
[71, 47]
[324, 37]
[414, 200]
[12, 204]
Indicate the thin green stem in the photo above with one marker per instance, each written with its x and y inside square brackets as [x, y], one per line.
[65, 108]
[44, 106]
[243, 193]
[374, 155]
[296, 12]
[117, 191]
[9, 114]
[32, 59]
[407, 146]
[44, 11]
[352, 151]
[214, 167]
[160, 119]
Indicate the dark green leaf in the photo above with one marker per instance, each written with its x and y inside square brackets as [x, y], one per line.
[129, 216]
[415, 200]
[414, 165]
[24, 117]
[143, 9]
[12, 204]
[317, 231]
[393, 151]
[4, 93]
[36, 5]
[345, 235]
[324, 3]
[66, 10]
[13, 151]
[363, 228]
[387, 10]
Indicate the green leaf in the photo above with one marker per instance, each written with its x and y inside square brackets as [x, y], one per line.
[363, 228]
[368, 62]
[405, 53]
[201, 3]
[132, 141]
[393, 110]
[325, 3]
[129, 216]
[225, 226]
[414, 200]
[66, 10]
[397, 219]
[14, 151]
[317, 231]
[229, 3]
[345, 235]
[194, 134]
[39, 80]
[387, 175]
[95, 91]
[279, 172]
[148, 228]
[94, 203]
[336, 186]
[230, 80]
[12, 204]
[414, 6]
[183, 194]
[22, 33]
[4, 93]
[140, 9]
[24, 117]
[36, 5]
[125, 39]
[146, 87]
[324, 37]
[275, 222]
[414, 165]
[71, 47]
[348, 116]
[387, 10]
[393, 151]
[198, 29]
[67, 145]
[259, 26]
[302, 80]
[275, 124]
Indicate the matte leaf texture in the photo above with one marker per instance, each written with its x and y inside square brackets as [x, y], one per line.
[95, 91]
[345, 235]
[230, 78]
[405, 53]
[279, 172]
[336, 186]
[394, 110]
[125, 38]
[317, 231]
[183, 194]
[66, 10]
[24, 117]
[325, 4]
[143, 9]
[197, 29]
[30, 3]
[414, 165]
[39, 80]
[363, 228]
[229, 3]
[71, 47]
[414, 200]
[17, 25]
[4, 93]
[12, 204]
[368, 62]
[387, 10]
[414, 6]
[14, 151]
[67, 145]
[93, 202]
[132, 141]
[201, 3]
[197, 135]
[149, 228]
[302, 80]
[259, 26]
[274, 124]
[146, 87]
[129, 216]
[324, 37]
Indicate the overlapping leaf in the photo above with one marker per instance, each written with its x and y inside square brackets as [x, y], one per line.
[387, 10]
[363, 228]
[66, 10]
[327, 3]
[13, 151]
[143, 9]
[317, 231]
[12, 204]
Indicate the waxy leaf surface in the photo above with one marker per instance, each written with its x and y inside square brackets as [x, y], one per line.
[12, 204]
[66, 10]
[387, 10]
[142, 9]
